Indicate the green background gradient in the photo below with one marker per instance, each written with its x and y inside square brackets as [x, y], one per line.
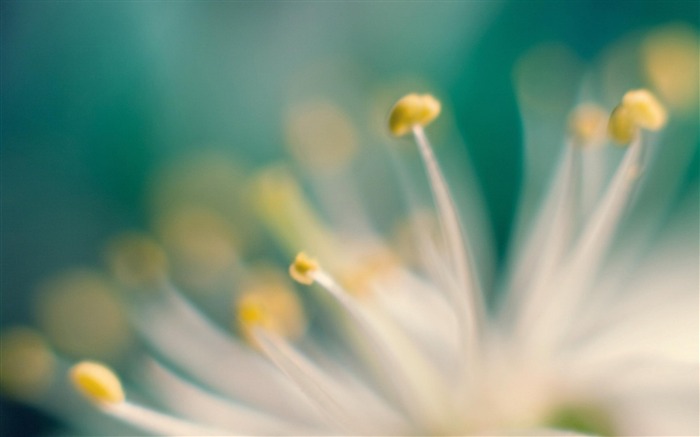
[95, 94]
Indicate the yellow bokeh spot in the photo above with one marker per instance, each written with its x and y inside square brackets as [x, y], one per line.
[201, 245]
[302, 269]
[82, 316]
[375, 263]
[320, 135]
[26, 363]
[587, 124]
[137, 261]
[646, 111]
[413, 110]
[671, 58]
[270, 304]
[97, 382]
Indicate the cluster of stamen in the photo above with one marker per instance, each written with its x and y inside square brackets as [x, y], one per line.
[268, 313]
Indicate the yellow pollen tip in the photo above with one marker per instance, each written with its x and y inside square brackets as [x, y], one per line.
[412, 110]
[271, 306]
[647, 111]
[639, 109]
[97, 382]
[250, 314]
[302, 269]
[587, 124]
[621, 126]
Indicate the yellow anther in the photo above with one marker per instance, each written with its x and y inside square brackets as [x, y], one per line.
[621, 126]
[82, 316]
[26, 363]
[671, 60]
[588, 124]
[137, 261]
[412, 110]
[201, 246]
[272, 306]
[302, 269]
[97, 382]
[376, 263]
[639, 109]
[645, 109]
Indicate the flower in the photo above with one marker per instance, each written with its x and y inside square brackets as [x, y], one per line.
[587, 338]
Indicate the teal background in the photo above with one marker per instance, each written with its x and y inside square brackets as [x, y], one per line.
[95, 94]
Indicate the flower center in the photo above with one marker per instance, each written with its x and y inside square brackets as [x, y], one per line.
[587, 419]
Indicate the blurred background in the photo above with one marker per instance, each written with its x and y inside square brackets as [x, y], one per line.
[101, 101]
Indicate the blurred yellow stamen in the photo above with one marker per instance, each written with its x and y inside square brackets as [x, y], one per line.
[201, 246]
[413, 110]
[97, 382]
[639, 109]
[646, 110]
[671, 61]
[320, 135]
[137, 261]
[271, 306]
[82, 316]
[26, 363]
[362, 274]
[621, 127]
[588, 124]
[302, 269]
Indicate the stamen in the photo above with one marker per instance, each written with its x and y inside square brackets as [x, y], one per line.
[272, 307]
[308, 378]
[622, 128]
[205, 406]
[587, 125]
[428, 407]
[555, 224]
[468, 297]
[543, 252]
[97, 382]
[597, 235]
[645, 109]
[593, 242]
[639, 109]
[289, 214]
[159, 423]
[303, 268]
[174, 328]
[413, 110]
[647, 113]
[102, 386]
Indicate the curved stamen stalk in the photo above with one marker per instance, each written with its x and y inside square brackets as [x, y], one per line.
[102, 386]
[393, 369]
[410, 114]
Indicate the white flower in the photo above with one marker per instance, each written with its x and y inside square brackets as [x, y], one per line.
[585, 339]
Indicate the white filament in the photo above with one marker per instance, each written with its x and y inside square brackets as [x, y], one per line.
[567, 288]
[175, 328]
[422, 404]
[158, 423]
[543, 252]
[468, 296]
[205, 407]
